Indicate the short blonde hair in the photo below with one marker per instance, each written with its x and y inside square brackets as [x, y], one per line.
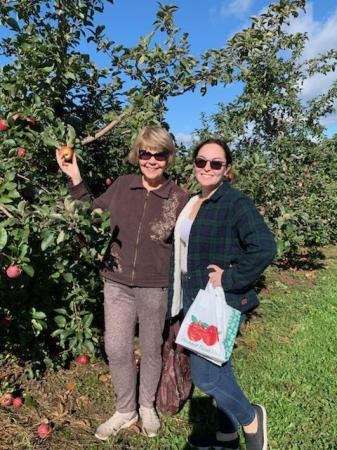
[153, 138]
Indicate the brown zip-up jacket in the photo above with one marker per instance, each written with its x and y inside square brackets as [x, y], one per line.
[142, 224]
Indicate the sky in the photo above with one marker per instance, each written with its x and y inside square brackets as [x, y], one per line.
[210, 23]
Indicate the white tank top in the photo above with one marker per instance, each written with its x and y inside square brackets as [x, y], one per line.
[185, 230]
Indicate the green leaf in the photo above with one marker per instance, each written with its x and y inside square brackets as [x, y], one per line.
[28, 269]
[61, 311]
[38, 315]
[60, 321]
[13, 24]
[70, 75]
[60, 237]
[71, 136]
[68, 277]
[47, 242]
[3, 238]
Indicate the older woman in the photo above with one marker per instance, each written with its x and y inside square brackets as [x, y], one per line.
[220, 236]
[143, 212]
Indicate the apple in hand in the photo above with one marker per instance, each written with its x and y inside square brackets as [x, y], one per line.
[66, 153]
[13, 271]
[3, 125]
[82, 359]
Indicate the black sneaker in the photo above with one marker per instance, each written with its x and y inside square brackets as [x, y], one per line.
[211, 441]
[258, 440]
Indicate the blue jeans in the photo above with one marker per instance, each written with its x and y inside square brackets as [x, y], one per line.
[220, 383]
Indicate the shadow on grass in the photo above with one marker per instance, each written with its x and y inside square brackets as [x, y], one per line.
[202, 417]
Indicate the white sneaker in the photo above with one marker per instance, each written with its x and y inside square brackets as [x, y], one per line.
[150, 421]
[117, 422]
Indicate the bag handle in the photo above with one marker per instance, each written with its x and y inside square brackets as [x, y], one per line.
[173, 333]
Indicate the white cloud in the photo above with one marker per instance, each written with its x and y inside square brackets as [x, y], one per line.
[237, 8]
[322, 36]
[184, 138]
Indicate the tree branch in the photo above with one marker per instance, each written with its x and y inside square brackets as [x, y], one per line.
[27, 179]
[6, 212]
[104, 130]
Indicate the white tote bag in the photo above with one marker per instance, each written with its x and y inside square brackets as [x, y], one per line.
[210, 326]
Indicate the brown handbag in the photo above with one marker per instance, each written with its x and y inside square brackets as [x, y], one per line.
[175, 383]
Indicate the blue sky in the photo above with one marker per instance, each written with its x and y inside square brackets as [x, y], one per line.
[210, 23]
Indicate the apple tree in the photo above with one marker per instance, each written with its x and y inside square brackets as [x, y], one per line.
[283, 158]
[52, 94]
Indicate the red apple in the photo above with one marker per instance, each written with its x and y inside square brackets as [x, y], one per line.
[66, 153]
[262, 210]
[6, 400]
[21, 152]
[82, 360]
[43, 430]
[5, 322]
[314, 164]
[17, 402]
[300, 183]
[305, 170]
[13, 271]
[3, 125]
[108, 181]
[211, 335]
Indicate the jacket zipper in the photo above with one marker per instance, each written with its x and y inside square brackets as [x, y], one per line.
[137, 240]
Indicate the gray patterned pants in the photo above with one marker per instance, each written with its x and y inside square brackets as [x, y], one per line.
[123, 307]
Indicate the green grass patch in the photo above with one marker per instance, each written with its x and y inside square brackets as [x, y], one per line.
[285, 359]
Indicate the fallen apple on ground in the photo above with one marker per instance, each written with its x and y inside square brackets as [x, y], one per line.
[43, 430]
[82, 360]
[17, 402]
[6, 400]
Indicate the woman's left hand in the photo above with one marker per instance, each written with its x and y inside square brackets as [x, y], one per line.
[215, 276]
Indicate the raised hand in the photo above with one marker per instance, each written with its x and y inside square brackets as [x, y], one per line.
[69, 168]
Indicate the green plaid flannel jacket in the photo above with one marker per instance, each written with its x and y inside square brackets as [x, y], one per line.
[229, 232]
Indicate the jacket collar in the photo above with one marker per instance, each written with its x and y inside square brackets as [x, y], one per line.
[163, 191]
[222, 189]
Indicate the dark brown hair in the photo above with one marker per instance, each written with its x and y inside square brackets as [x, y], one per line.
[225, 148]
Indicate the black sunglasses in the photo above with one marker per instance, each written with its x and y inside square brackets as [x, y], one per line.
[215, 165]
[146, 156]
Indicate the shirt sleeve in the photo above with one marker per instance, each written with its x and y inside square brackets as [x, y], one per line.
[82, 192]
[258, 246]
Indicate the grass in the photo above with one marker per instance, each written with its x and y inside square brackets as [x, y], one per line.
[285, 359]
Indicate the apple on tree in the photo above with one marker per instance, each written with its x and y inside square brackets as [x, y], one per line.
[21, 152]
[13, 271]
[3, 125]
